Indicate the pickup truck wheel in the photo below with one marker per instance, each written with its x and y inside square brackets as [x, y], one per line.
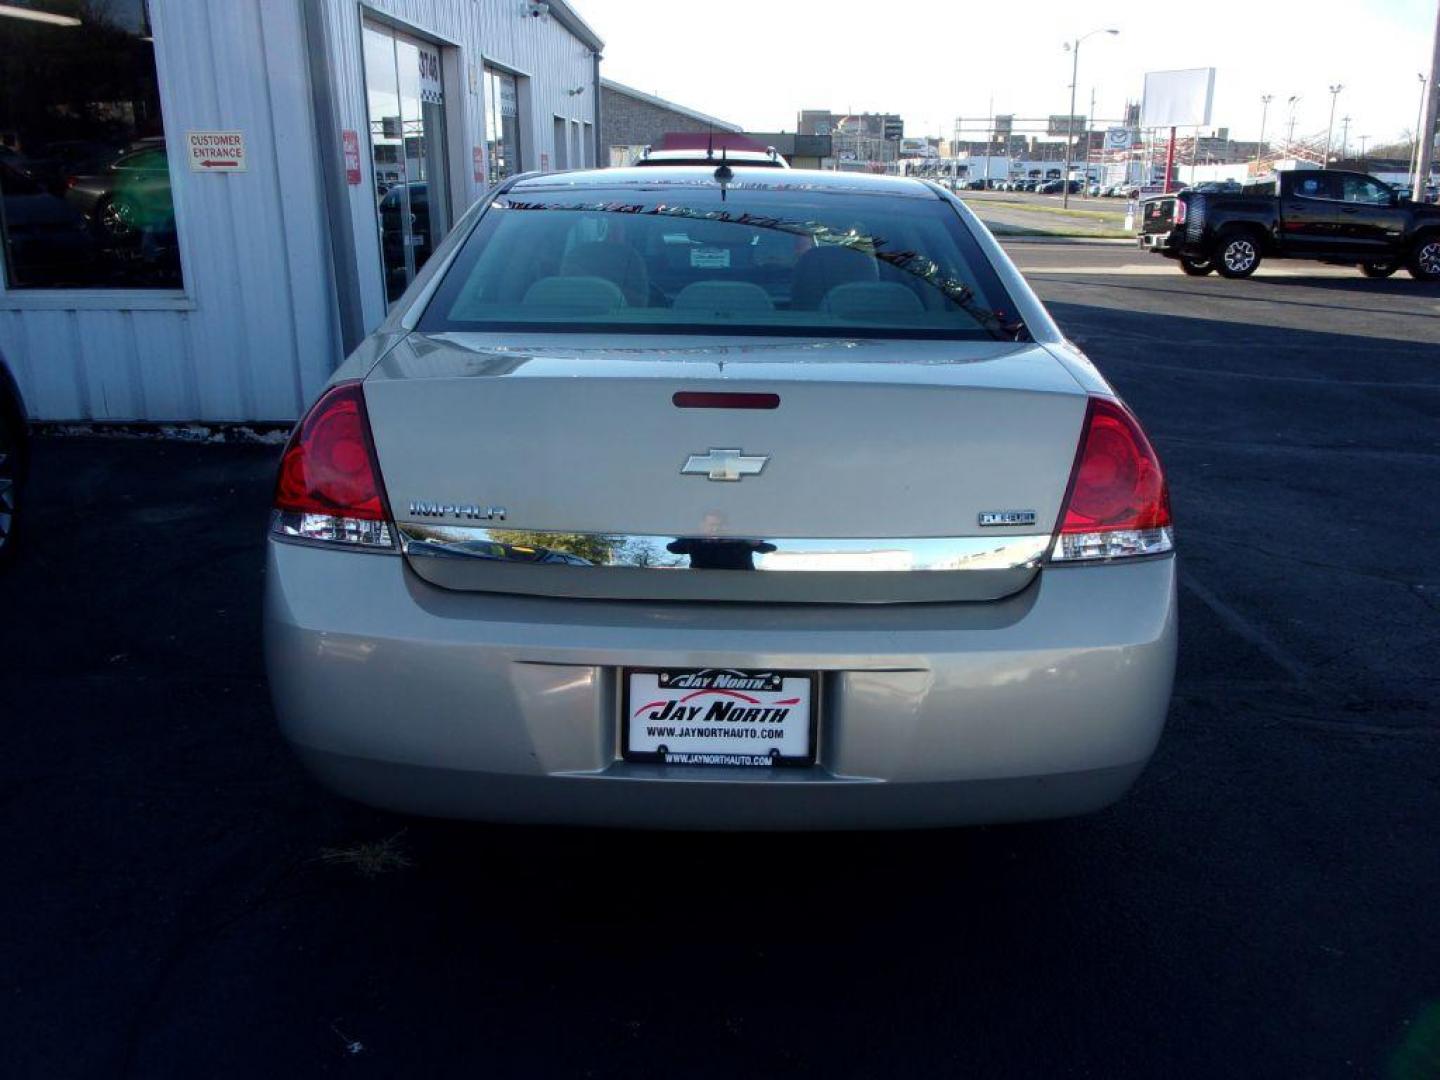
[1379, 269]
[1424, 261]
[1237, 255]
[1196, 267]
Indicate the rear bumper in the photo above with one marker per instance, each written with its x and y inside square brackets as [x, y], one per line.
[420, 699]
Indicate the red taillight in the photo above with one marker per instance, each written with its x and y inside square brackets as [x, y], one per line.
[1181, 210]
[329, 485]
[1117, 503]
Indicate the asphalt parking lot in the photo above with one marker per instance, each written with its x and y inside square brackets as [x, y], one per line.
[180, 900]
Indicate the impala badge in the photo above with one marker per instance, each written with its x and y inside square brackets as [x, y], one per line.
[469, 511]
[1007, 517]
[724, 464]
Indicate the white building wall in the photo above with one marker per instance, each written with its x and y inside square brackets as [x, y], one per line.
[254, 333]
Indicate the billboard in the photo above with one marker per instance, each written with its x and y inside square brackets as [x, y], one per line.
[1065, 125]
[1178, 98]
[1119, 138]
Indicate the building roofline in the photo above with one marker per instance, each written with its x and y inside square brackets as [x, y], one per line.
[569, 18]
[659, 102]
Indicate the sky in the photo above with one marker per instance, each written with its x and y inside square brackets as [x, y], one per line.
[758, 62]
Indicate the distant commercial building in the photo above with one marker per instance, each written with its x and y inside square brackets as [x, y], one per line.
[801, 151]
[856, 138]
[631, 120]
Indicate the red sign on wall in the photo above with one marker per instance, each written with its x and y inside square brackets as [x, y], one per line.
[350, 142]
[478, 156]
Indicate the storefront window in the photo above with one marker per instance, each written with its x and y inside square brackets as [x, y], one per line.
[405, 94]
[502, 124]
[84, 180]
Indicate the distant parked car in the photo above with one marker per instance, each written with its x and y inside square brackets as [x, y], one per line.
[1093, 191]
[769, 158]
[392, 212]
[1051, 187]
[130, 198]
[1330, 216]
[56, 162]
[14, 459]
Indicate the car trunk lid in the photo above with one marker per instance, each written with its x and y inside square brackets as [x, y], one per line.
[873, 446]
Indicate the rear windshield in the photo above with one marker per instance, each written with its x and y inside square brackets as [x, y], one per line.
[673, 259]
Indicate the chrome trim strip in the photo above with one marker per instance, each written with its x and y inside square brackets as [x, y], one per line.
[518, 546]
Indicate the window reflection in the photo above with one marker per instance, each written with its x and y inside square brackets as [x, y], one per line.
[502, 124]
[85, 195]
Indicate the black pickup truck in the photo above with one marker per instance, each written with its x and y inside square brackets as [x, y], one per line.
[1336, 217]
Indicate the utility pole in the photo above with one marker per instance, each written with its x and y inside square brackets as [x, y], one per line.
[1330, 128]
[989, 139]
[1290, 137]
[1089, 134]
[1070, 119]
[1265, 100]
[1344, 137]
[1426, 134]
[1363, 140]
[1420, 118]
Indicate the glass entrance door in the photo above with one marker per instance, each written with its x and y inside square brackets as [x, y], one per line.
[406, 98]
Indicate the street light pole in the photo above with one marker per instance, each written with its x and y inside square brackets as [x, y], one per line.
[1070, 119]
[1419, 119]
[1265, 100]
[1363, 140]
[1085, 172]
[1344, 137]
[1290, 138]
[1426, 134]
[1330, 128]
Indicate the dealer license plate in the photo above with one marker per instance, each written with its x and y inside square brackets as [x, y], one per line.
[719, 716]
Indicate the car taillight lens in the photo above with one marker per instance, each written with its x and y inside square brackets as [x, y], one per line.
[1181, 209]
[1117, 504]
[329, 485]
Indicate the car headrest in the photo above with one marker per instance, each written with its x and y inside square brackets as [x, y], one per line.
[615, 262]
[872, 301]
[723, 298]
[822, 268]
[574, 293]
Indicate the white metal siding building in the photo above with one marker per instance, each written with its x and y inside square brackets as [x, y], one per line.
[286, 264]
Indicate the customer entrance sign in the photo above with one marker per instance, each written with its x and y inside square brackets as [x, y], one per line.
[216, 151]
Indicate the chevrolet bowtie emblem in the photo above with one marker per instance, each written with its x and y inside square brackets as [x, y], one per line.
[724, 464]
